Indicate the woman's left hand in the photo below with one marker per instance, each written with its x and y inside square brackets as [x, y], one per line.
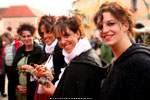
[49, 90]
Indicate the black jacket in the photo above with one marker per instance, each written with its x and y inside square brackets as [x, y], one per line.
[33, 58]
[129, 78]
[82, 77]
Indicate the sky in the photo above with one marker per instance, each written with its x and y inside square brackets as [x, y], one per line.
[53, 7]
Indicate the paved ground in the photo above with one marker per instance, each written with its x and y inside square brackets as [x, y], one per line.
[4, 98]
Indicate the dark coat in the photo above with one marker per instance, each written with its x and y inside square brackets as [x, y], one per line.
[129, 78]
[82, 77]
[33, 58]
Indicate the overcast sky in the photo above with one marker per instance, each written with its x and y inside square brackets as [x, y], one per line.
[53, 7]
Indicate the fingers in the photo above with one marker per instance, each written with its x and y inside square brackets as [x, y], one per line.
[25, 67]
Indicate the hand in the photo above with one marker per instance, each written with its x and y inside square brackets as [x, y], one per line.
[25, 67]
[39, 70]
[49, 90]
[22, 89]
[49, 74]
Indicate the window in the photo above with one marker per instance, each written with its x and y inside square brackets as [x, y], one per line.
[9, 24]
[20, 23]
[93, 2]
[88, 19]
[133, 5]
[88, 3]
[78, 6]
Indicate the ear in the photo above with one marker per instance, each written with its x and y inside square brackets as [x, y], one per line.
[78, 34]
[126, 26]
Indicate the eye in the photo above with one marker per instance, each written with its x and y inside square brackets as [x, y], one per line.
[23, 36]
[111, 23]
[66, 35]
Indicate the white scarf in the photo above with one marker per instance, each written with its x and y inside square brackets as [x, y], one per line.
[82, 46]
[50, 48]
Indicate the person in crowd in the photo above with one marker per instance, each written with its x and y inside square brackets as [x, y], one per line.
[83, 72]
[29, 53]
[129, 75]
[53, 53]
[106, 53]
[2, 76]
[8, 53]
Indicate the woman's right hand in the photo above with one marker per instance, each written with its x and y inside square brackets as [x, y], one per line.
[22, 89]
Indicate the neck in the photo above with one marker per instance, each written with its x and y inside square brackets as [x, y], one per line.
[29, 47]
[120, 48]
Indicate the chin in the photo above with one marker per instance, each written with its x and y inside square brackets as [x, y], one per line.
[109, 43]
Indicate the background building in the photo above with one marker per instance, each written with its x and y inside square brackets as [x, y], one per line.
[140, 8]
[16, 15]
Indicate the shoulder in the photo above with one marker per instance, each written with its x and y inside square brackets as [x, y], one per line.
[89, 57]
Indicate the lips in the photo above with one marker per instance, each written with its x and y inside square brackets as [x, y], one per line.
[108, 36]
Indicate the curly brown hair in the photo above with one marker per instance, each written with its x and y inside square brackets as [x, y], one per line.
[26, 27]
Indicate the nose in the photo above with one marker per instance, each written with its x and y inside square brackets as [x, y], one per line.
[63, 40]
[44, 35]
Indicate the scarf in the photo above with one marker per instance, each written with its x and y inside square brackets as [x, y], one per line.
[82, 46]
[50, 48]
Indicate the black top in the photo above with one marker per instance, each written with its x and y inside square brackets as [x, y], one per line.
[82, 77]
[129, 78]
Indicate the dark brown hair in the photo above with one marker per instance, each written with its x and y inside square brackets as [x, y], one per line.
[26, 27]
[118, 11]
[73, 23]
[48, 22]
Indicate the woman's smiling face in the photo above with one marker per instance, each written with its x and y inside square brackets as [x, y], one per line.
[47, 37]
[68, 40]
[110, 29]
[27, 38]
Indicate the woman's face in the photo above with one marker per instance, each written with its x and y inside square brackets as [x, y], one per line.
[47, 37]
[68, 40]
[111, 30]
[27, 38]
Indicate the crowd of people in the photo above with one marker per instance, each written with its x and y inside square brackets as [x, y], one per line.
[67, 65]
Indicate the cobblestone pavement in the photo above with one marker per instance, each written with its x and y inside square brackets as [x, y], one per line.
[5, 98]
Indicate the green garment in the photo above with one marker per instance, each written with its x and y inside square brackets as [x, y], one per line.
[106, 53]
[22, 79]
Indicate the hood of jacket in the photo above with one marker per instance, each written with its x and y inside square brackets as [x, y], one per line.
[89, 57]
[132, 50]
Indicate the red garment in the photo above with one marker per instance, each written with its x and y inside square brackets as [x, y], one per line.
[40, 96]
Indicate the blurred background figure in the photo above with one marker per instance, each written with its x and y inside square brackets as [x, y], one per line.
[8, 53]
[2, 76]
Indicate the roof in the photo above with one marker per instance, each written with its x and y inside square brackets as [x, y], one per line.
[2, 11]
[20, 11]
